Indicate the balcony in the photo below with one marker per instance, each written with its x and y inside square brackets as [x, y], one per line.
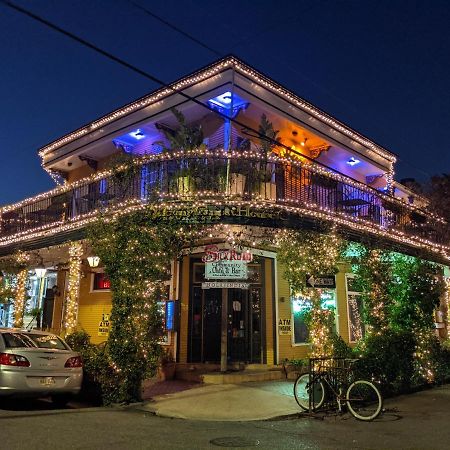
[299, 193]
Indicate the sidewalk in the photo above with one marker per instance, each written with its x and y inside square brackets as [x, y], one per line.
[224, 402]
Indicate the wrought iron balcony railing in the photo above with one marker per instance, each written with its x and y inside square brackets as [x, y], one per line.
[228, 176]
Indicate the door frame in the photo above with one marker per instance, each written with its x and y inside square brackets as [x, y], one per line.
[193, 255]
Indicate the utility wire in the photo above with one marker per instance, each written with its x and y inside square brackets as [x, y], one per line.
[175, 28]
[151, 77]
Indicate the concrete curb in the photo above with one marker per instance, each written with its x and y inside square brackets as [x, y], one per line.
[5, 414]
[152, 409]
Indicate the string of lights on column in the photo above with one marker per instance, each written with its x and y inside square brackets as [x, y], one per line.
[73, 287]
[22, 260]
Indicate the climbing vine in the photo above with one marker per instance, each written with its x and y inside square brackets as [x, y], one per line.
[305, 253]
[136, 252]
[374, 279]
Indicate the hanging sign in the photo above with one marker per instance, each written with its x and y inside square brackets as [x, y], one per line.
[284, 327]
[225, 270]
[104, 325]
[225, 285]
[321, 281]
[226, 264]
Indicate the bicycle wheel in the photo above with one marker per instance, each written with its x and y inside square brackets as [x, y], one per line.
[302, 391]
[364, 400]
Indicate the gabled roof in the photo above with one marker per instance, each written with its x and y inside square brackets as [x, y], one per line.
[205, 73]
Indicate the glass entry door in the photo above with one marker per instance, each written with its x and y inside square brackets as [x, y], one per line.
[244, 325]
[244, 321]
[205, 329]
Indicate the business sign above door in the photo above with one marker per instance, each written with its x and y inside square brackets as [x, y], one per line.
[226, 270]
[225, 264]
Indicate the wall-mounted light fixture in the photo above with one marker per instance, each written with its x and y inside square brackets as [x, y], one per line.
[93, 261]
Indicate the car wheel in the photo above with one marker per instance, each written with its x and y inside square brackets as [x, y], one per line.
[61, 400]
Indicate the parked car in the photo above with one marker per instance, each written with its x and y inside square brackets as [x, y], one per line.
[38, 364]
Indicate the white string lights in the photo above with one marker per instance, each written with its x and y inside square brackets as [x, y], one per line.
[212, 71]
[73, 287]
[22, 260]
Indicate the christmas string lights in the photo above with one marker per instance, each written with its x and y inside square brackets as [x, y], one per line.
[212, 71]
[22, 259]
[73, 287]
[213, 198]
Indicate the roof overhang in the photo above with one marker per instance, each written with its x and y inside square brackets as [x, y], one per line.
[202, 85]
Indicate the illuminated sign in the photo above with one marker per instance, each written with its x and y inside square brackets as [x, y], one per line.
[214, 254]
[170, 315]
[226, 264]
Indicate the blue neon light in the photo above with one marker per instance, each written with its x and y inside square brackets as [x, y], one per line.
[223, 103]
[353, 161]
[170, 315]
[137, 134]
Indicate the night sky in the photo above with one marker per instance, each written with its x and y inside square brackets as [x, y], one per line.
[382, 67]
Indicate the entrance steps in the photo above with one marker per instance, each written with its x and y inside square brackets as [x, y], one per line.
[210, 373]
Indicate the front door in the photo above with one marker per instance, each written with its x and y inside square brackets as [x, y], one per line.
[244, 325]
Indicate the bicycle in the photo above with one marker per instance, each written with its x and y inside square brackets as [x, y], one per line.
[362, 398]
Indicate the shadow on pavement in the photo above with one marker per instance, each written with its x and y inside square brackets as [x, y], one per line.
[40, 404]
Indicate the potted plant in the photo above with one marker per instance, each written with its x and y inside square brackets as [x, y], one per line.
[166, 370]
[238, 170]
[184, 137]
[266, 186]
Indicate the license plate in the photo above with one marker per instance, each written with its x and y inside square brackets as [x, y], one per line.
[47, 381]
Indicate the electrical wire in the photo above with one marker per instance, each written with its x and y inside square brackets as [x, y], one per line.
[153, 78]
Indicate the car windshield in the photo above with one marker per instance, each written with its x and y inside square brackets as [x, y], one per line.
[21, 340]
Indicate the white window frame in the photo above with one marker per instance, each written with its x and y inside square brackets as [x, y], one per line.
[308, 344]
[347, 292]
[96, 291]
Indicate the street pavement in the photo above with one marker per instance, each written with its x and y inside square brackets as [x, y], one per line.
[416, 421]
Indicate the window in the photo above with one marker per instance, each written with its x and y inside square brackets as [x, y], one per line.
[24, 340]
[301, 306]
[100, 282]
[356, 329]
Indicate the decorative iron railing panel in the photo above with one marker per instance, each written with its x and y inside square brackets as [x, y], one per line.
[218, 175]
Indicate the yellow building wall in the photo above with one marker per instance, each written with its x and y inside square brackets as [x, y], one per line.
[91, 308]
[270, 351]
[287, 350]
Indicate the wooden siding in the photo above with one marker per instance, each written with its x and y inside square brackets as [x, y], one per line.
[91, 307]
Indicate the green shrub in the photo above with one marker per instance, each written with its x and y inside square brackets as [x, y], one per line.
[100, 381]
[340, 348]
[78, 341]
[388, 359]
[440, 356]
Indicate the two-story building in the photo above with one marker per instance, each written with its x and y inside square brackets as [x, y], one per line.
[315, 170]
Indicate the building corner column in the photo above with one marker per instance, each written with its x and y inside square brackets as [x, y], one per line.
[72, 294]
